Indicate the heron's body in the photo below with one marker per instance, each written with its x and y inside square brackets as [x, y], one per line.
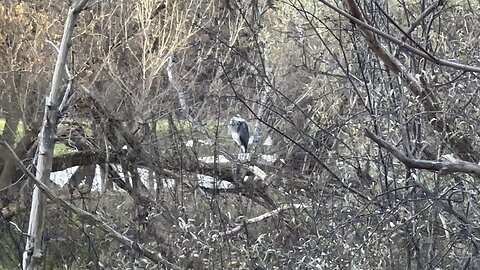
[239, 130]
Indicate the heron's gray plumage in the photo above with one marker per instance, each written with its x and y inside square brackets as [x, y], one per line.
[239, 130]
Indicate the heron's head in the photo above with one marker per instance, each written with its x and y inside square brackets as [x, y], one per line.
[237, 119]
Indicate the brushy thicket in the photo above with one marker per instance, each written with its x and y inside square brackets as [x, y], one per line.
[375, 144]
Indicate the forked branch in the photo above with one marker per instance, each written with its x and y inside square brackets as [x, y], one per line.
[90, 218]
[431, 165]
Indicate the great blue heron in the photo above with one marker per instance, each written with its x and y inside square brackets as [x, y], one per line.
[239, 130]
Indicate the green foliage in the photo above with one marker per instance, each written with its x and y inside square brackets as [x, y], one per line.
[61, 149]
[20, 128]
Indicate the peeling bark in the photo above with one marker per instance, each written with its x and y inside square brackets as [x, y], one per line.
[33, 253]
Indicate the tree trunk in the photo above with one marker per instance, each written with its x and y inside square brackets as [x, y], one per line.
[33, 254]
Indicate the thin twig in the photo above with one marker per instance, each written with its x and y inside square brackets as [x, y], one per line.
[263, 217]
[422, 16]
[440, 166]
[90, 218]
[458, 166]
[186, 111]
[402, 44]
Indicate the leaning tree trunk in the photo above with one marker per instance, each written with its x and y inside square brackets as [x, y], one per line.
[33, 253]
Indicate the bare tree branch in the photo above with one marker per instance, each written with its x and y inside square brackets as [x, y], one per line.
[429, 100]
[459, 166]
[90, 218]
[402, 44]
[186, 111]
[439, 166]
[264, 216]
[422, 16]
[33, 248]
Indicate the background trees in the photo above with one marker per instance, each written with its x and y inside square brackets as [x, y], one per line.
[364, 116]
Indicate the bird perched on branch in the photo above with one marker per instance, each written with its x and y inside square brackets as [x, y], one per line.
[239, 130]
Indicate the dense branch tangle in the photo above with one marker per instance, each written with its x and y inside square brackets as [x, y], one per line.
[313, 76]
